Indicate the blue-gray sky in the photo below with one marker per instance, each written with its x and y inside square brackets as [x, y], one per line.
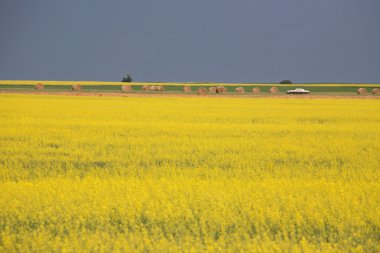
[197, 40]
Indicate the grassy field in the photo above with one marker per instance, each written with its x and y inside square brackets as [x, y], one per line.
[179, 89]
[168, 174]
[88, 86]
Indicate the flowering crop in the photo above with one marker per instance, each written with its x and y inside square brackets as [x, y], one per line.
[173, 174]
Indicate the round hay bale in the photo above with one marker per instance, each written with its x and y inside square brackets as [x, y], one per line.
[126, 88]
[202, 91]
[187, 88]
[146, 88]
[273, 90]
[153, 88]
[160, 88]
[256, 90]
[212, 89]
[240, 90]
[76, 87]
[375, 91]
[39, 86]
[362, 91]
[221, 89]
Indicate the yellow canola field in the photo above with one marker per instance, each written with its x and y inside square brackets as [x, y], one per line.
[112, 174]
[52, 82]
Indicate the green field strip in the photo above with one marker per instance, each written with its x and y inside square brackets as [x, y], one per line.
[179, 88]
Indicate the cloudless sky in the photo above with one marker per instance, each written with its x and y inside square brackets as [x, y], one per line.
[191, 41]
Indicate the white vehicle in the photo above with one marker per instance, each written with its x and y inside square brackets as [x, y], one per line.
[297, 91]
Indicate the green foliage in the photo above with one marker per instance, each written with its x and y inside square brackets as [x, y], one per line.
[286, 82]
[127, 78]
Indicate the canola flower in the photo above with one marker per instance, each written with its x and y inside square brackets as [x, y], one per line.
[70, 82]
[111, 174]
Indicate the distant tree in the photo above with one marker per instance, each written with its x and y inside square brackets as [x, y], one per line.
[286, 82]
[127, 78]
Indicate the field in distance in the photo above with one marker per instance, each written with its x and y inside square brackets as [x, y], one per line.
[27, 86]
[188, 174]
